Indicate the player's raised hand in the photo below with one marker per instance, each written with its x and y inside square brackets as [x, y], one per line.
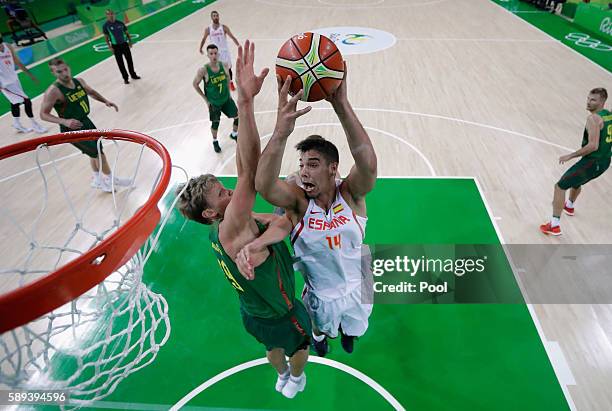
[249, 84]
[340, 95]
[287, 111]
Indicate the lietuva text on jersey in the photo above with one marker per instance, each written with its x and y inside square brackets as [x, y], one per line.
[217, 79]
[80, 93]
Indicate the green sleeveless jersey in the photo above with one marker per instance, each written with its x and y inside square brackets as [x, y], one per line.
[75, 104]
[272, 293]
[217, 86]
[605, 137]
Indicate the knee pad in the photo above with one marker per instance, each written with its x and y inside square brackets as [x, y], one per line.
[15, 110]
[28, 107]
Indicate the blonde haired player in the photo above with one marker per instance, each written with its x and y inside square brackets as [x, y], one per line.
[218, 36]
[12, 90]
[69, 96]
[270, 311]
[329, 216]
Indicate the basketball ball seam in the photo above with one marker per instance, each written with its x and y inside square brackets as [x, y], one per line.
[315, 66]
[290, 69]
[300, 52]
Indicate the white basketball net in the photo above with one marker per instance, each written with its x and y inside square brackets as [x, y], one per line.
[88, 346]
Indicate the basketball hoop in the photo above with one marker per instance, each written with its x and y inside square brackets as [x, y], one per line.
[47, 314]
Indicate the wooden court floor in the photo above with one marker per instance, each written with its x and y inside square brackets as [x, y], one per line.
[468, 89]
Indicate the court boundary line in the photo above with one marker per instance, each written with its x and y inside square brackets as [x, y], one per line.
[546, 41]
[413, 113]
[366, 7]
[388, 134]
[314, 359]
[534, 317]
[352, 5]
[59, 53]
[393, 111]
[548, 35]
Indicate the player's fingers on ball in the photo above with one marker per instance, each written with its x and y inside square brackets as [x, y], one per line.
[286, 85]
[296, 97]
[301, 112]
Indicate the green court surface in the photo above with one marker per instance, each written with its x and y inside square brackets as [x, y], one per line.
[596, 49]
[427, 356]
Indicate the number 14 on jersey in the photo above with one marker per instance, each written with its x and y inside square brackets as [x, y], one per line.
[334, 242]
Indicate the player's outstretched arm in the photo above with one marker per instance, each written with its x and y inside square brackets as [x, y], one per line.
[97, 96]
[272, 188]
[204, 37]
[362, 176]
[253, 254]
[231, 35]
[21, 66]
[239, 210]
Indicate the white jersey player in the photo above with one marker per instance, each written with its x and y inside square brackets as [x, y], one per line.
[328, 250]
[329, 216]
[218, 36]
[12, 90]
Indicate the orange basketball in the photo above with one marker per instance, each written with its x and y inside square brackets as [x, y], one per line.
[315, 64]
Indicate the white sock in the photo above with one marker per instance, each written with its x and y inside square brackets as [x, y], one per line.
[33, 120]
[285, 374]
[569, 204]
[297, 379]
[234, 133]
[16, 121]
[318, 338]
[555, 222]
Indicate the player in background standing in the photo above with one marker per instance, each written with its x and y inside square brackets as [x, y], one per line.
[218, 36]
[595, 159]
[216, 94]
[12, 90]
[69, 97]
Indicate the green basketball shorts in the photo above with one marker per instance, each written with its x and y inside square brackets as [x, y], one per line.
[585, 170]
[88, 147]
[228, 108]
[291, 332]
